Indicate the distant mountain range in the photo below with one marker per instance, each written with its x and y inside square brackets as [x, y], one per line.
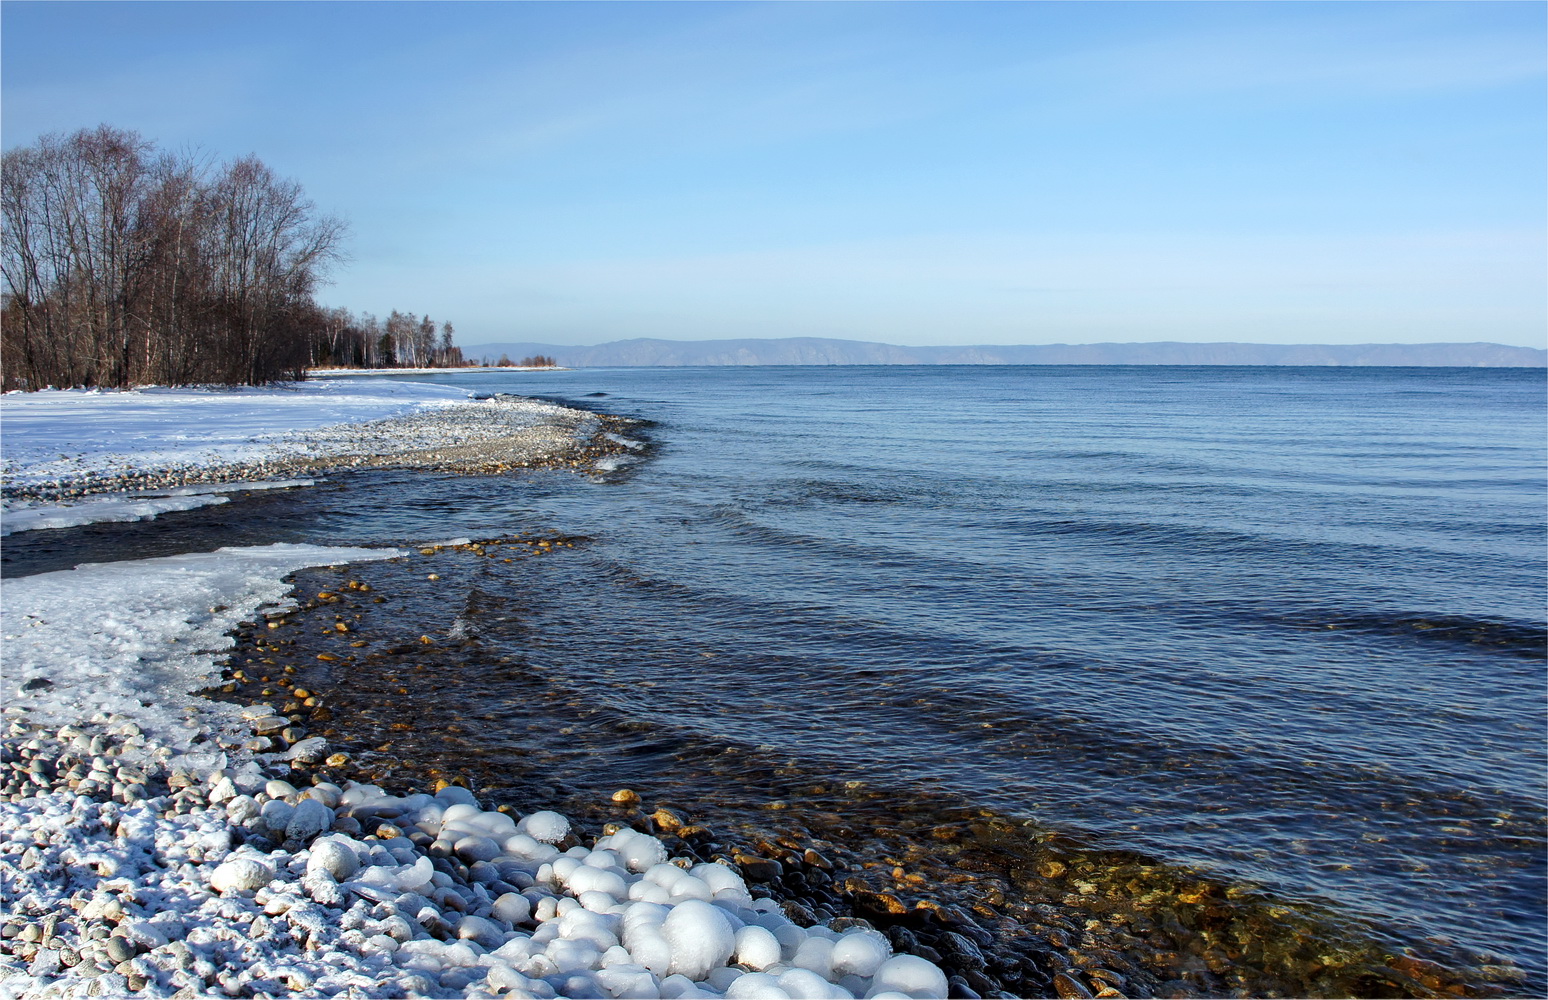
[819, 351]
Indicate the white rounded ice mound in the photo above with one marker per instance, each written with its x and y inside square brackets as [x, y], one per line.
[545, 826]
[860, 953]
[909, 975]
[241, 875]
[700, 937]
[333, 857]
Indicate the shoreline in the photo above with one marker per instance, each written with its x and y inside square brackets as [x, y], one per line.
[437, 458]
[163, 850]
[470, 436]
[228, 852]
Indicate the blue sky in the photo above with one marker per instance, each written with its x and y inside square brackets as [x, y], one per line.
[915, 173]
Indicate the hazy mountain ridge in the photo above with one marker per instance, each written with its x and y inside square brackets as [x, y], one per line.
[821, 351]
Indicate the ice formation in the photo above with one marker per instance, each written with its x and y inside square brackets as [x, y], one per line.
[139, 506]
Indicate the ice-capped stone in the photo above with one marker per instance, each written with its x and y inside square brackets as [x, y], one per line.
[637, 851]
[321, 887]
[308, 751]
[756, 947]
[545, 825]
[277, 788]
[463, 820]
[860, 952]
[805, 983]
[455, 813]
[686, 886]
[476, 848]
[407, 878]
[276, 815]
[241, 809]
[503, 977]
[144, 933]
[624, 979]
[269, 725]
[675, 987]
[756, 986]
[485, 932]
[241, 875]
[815, 954]
[456, 795]
[511, 907]
[909, 975]
[525, 846]
[224, 790]
[333, 857]
[584, 925]
[310, 818]
[700, 937]
[588, 879]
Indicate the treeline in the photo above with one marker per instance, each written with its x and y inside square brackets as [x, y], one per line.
[345, 340]
[124, 265]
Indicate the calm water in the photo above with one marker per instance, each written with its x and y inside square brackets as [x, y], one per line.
[1283, 625]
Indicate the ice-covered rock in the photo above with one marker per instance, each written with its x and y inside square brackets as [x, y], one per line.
[700, 937]
[911, 976]
[637, 851]
[807, 984]
[756, 947]
[585, 878]
[276, 815]
[816, 955]
[334, 857]
[860, 952]
[309, 819]
[545, 826]
[756, 986]
[511, 907]
[241, 875]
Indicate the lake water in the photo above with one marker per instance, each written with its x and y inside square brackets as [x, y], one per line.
[1275, 627]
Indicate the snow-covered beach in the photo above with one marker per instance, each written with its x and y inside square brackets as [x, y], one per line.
[156, 842]
[66, 444]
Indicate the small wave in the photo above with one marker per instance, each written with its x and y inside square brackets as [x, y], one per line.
[1517, 638]
[612, 463]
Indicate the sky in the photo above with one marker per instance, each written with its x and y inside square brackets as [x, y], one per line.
[911, 173]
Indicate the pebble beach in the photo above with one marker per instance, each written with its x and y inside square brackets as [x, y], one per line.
[155, 843]
[128, 868]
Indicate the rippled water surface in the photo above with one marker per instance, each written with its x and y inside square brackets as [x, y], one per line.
[1284, 626]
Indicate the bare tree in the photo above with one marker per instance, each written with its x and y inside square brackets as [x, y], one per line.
[122, 267]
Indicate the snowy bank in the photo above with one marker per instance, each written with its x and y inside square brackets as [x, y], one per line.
[147, 447]
[53, 434]
[141, 506]
[137, 638]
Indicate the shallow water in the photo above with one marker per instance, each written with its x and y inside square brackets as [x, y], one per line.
[1283, 627]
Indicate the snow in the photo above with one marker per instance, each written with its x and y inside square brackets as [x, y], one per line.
[138, 637]
[141, 505]
[56, 434]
